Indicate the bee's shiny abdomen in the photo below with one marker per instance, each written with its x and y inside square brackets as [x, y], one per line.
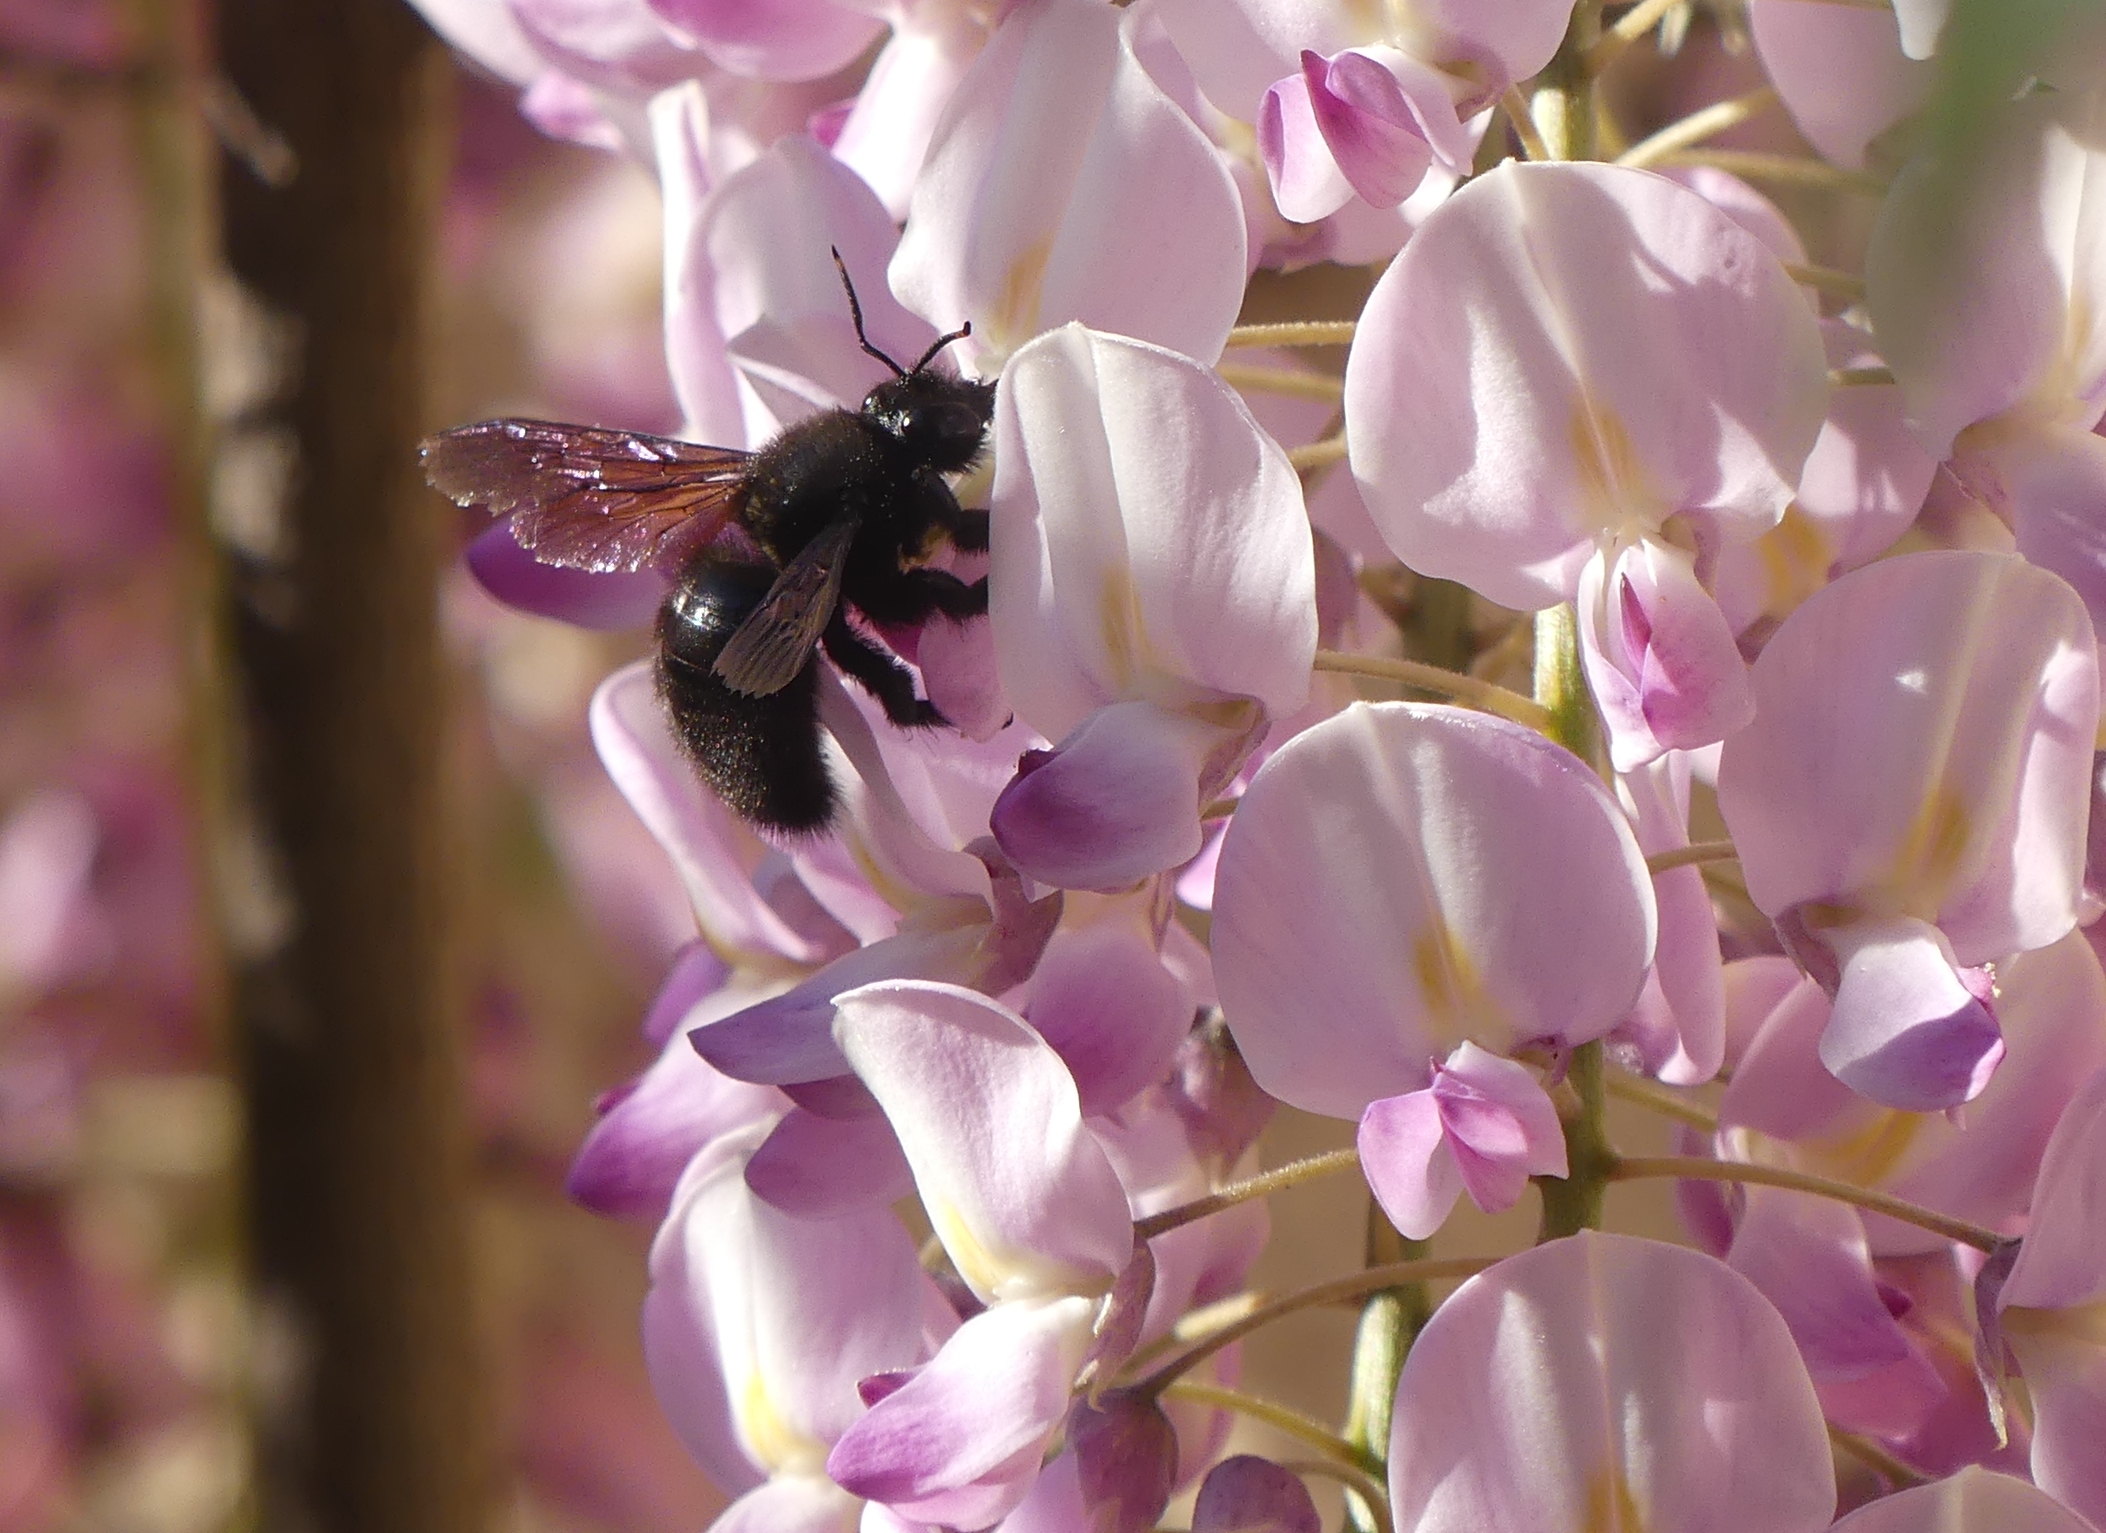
[762, 755]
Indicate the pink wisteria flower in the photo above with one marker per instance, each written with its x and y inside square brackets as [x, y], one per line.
[1910, 804]
[1788, 844]
[1577, 383]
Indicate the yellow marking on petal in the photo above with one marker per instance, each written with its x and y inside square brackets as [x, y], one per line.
[1795, 558]
[1931, 852]
[982, 1270]
[773, 1442]
[1450, 986]
[1869, 1155]
[1611, 1508]
[1015, 317]
[2075, 1325]
[1119, 626]
[1616, 494]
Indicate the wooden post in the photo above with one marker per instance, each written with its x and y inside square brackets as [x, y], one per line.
[345, 989]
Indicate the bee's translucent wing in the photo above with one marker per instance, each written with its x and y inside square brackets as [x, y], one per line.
[588, 498]
[772, 645]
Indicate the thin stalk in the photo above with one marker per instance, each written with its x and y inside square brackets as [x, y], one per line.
[1278, 1180]
[1628, 28]
[1791, 170]
[1389, 1322]
[1699, 1168]
[1197, 1325]
[1661, 1099]
[1354, 1285]
[1696, 851]
[1845, 285]
[1572, 1202]
[1561, 685]
[1301, 332]
[1283, 381]
[1516, 107]
[1698, 126]
[1282, 1418]
[1563, 105]
[1485, 696]
[1332, 449]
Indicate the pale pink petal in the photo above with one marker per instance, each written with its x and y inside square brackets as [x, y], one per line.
[1923, 741]
[1866, 477]
[794, 1312]
[2056, 484]
[1306, 182]
[821, 1168]
[1567, 352]
[1506, 42]
[960, 1442]
[1808, 1257]
[796, 1503]
[1401, 877]
[2058, 1266]
[704, 381]
[1972, 1501]
[1685, 1000]
[577, 113]
[2051, 1304]
[761, 245]
[1779, 1087]
[1659, 655]
[1115, 801]
[1499, 1124]
[1990, 304]
[772, 39]
[487, 32]
[1744, 205]
[1063, 184]
[614, 44]
[1103, 1000]
[1146, 534]
[1840, 70]
[1905, 1029]
[1373, 129]
[1247, 1494]
[1603, 1380]
[707, 844]
[1237, 51]
[1021, 1215]
[1409, 1167]
[632, 1157]
[910, 83]
[787, 1039]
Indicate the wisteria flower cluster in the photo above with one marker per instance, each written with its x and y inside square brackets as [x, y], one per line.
[1761, 797]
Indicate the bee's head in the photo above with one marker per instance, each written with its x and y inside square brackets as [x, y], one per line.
[941, 419]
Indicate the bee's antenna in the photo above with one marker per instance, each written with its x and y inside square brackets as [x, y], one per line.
[942, 341]
[855, 312]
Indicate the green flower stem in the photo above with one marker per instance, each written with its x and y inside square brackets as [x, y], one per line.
[1700, 1168]
[1279, 1179]
[1389, 1322]
[1354, 1285]
[1468, 690]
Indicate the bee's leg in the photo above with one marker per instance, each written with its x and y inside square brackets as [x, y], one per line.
[882, 676]
[914, 595]
[967, 531]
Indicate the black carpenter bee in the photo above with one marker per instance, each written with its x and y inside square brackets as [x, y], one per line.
[773, 548]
